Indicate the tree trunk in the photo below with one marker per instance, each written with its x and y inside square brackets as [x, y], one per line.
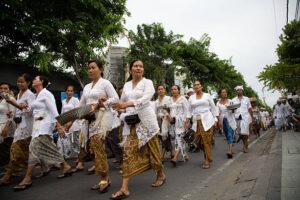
[76, 70]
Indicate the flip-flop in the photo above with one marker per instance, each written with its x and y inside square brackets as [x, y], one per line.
[121, 195]
[42, 174]
[22, 187]
[77, 170]
[205, 166]
[105, 188]
[163, 181]
[65, 174]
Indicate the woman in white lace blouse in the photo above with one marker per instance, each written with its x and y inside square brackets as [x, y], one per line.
[204, 113]
[140, 141]
[162, 113]
[99, 92]
[179, 109]
[42, 148]
[19, 149]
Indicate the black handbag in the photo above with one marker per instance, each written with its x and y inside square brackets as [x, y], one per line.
[189, 136]
[172, 121]
[17, 120]
[132, 119]
[91, 117]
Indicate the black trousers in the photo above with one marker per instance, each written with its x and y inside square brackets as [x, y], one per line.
[113, 141]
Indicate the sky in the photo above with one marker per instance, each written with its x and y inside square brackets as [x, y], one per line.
[245, 30]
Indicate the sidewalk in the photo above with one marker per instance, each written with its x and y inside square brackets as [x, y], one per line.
[290, 179]
[252, 176]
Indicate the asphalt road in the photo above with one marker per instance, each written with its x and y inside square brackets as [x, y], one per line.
[185, 177]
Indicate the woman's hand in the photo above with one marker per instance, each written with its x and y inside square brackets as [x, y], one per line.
[120, 105]
[60, 130]
[68, 126]
[101, 102]
[216, 124]
[187, 124]
[94, 108]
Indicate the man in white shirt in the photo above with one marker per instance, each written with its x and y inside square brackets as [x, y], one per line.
[243, 116]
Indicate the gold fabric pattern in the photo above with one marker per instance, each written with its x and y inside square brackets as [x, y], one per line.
[137, 160]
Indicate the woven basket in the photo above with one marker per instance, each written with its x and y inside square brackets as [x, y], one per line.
[76, 113]
[234, 106]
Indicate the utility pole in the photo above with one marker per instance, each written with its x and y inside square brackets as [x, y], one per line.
[287, 11]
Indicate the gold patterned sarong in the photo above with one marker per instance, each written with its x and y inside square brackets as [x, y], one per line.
[19, 152]
[137, 160]
[97, 146]
[205, 139]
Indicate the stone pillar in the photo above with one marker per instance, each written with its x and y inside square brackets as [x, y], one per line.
[115, 70]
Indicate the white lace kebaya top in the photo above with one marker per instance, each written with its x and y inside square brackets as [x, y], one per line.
[160, 104]
[141, 96]
[204, 109]
[91, 95]
[5, 108]
[179, 110]
[44, 112]
[24, 128]
[225, 113]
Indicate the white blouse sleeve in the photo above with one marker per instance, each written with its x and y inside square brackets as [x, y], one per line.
[111, 93]
[62, 107]
[31, 99]
[189, 108]
[212, 106]
[147, 95]
[82, 101]
[186, 107]
[51, 105]
[249, 104]
[76, 103]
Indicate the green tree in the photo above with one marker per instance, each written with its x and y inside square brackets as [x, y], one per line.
[157, 49]
[59, 33]
[285, 74]
[199, 63]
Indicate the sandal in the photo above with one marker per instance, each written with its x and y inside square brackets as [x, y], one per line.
[77, 170]
[103, 186]
[42, 174]
[65, 174]
[205, 166]
[119, 195]
[161, 180]
[22, 187]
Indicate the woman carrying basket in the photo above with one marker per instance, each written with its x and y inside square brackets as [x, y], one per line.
[101, 94]
[140, 141]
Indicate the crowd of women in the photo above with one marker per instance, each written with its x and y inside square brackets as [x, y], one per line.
[138, 130]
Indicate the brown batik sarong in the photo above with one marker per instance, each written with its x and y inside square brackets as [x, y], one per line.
[97, 146]
[19, 152]
[245, 140]
[205, 139]
[135, 160]
[43, 150]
